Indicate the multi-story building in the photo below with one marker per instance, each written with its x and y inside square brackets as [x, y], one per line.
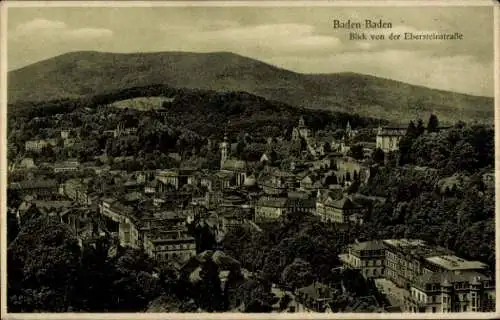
[368, 257]
[301, 131]
[452, 263]
[123, 216]
[270, 208]
[39, 188]
[301, 205]
[65, 133]
[388, 138]
[224, 180]
[38, 145]
[151, 187]
[450, 291]
[406, 259]
[173, 244]
[168, 178]
[237, 167]
[336, 210]
[67, 166]
[433, 279]
[122, 131]
[316, 297]
[348, 168]
[213, 199]
[76, 190]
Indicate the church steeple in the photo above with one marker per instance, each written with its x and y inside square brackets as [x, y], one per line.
[223, 150]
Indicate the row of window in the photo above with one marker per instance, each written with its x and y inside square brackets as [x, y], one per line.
[174, 255]
[370, 253]
[176, 246]
[374, 272]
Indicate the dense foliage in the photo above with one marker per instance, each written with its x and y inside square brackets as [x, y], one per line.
[190, 123]
[439, 193]
[50, 272]
[280, 244]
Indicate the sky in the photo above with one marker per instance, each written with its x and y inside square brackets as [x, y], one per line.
[300, 39]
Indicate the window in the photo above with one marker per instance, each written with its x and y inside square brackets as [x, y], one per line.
[433, 309]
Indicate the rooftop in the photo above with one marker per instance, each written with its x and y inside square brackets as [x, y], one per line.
[417, 247]
[231, 164]
[368, 245]
[405, 242]
[452, 263]
[33, 184]
[52, 204]
[449, 277]
[273, 202]
[344, 203]
[316, 291]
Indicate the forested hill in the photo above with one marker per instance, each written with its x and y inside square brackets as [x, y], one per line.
[203, 111]
[79, 74]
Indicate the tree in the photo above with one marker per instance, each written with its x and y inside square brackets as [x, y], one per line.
[132, 284]
[433, 125]
[298, 274]
[327, 147]
[347, 176]
[463, 157]
[284, 302]
[234, 279]
[355, 176]
[353, 188]
[42, 264]
[412, 130]
[331, 179]
[209, 288]
[257, 296]
[240, 147]
[13, 202]
[378, 156]
[420, 127]
[12, 226]
[356, 151]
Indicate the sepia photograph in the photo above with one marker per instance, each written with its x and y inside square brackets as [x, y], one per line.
[294, 158]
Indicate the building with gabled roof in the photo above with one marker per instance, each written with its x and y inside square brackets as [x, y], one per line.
[450, 291]
[38, 145]
[174, 244]
[332, 209]
[270, 208]
[316, 296]
[388, 138]
[368, 257]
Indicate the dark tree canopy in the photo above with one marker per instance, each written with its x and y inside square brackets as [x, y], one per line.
[433, 125]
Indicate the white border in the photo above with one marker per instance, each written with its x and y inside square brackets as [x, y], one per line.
[359, 3]
[255, 3]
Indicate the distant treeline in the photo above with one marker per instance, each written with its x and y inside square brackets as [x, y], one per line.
[204, 111]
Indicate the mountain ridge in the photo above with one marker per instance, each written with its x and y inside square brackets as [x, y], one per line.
[81, 73]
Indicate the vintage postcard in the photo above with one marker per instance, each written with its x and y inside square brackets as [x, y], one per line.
[260, 159]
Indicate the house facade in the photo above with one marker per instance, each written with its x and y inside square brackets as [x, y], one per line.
[388, 138]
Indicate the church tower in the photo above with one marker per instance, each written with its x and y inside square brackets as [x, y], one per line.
[348, 130]
[223, 151]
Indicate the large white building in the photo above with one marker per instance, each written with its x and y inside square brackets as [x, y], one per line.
[388, 138]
